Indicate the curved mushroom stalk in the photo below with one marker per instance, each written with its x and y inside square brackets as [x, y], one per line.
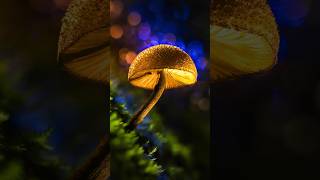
[148, 105]
[158, 68]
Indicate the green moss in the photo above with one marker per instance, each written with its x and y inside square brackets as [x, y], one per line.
[12, 171]
[134, 154]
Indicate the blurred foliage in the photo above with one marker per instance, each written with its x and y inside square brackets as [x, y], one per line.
[23, 153]
[148, 152]
[130, 154]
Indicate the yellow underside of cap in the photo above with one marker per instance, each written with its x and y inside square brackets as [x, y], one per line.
[174, 78]
[234, 53]
[94, 66]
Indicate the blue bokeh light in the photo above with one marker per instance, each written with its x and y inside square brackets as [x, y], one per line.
[196, 51]
[171, 26]
[290, 12]
[154, 40]
[144, 31]
[181, 45]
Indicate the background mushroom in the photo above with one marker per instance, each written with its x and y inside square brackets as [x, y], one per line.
[84, 44]
[158, 68]
[243, 38]
[84, 49]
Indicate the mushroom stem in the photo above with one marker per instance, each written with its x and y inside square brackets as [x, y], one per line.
[148, 105]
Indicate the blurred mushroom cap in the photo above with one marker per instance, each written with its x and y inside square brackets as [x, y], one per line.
[177, 66]
[243, 37]
[84, 43]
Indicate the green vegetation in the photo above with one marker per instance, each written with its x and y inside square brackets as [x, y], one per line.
[146, 153]
[23, 153]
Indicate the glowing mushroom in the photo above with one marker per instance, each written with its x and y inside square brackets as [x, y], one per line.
[84, 43]
[84, 49]
[158, 68]
[243, 38]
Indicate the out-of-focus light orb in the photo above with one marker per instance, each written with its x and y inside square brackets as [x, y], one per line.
[169, 38]
[130, 57]
[116, 31]
[291, 12]
[122, 54]
[203, 62]
[204, 104]
[195, 49]
[144, 31]
[134, 18]
[181, 45]
[154, 40]
[116, 8]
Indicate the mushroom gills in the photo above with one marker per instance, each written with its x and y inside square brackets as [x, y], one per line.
[174, 78]
[235, 53]
[94, 66]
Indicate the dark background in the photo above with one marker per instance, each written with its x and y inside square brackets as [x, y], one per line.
[51, 98]
[267, 126]
[263, 127]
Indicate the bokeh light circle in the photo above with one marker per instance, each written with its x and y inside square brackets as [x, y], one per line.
[134, 18]
[116, 31]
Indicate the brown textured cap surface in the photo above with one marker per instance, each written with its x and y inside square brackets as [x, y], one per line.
[248, 21]
[175, 63]
[84, 39]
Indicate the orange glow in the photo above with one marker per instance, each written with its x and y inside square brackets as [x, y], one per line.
[122, 53]
[134, 18]
[116, 8]
[122, 56]
[116, 31]
[130, 57]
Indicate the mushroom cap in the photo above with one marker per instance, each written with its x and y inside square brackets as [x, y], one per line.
[243, 38]
[176, 65]
[84, 43]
